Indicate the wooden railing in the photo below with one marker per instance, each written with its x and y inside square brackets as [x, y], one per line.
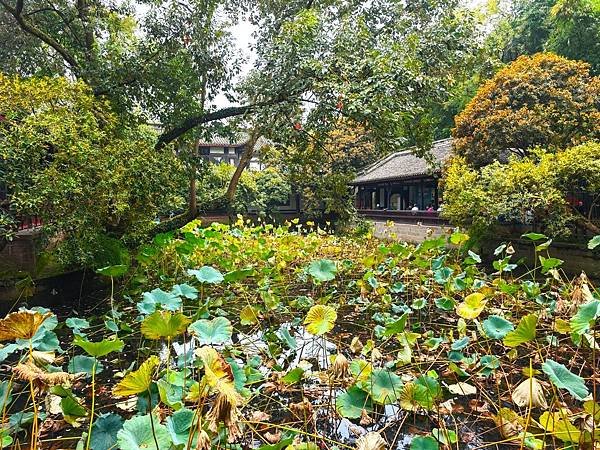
[28, 222]
[413, 217]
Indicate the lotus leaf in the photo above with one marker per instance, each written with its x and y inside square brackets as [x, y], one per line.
[497, 327]
[525, 331]
[164, 324]
[320, 319]
[322, 270]
[142, 433]
[215, 331]
[139, 380]
[207, 274]
[471, 306]
[563, 378]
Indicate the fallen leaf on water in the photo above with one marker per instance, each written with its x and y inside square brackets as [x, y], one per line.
[462, 388]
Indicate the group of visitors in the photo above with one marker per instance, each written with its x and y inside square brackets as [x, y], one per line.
[414, 208]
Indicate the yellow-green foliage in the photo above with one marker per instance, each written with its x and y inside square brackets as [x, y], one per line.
[540, 100]
[536, 186]
[69, 160]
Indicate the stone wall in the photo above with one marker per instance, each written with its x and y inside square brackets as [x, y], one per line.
[408, 232]
[20, 254]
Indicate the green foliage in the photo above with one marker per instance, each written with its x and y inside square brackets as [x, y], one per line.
[536, 187]
[104, 431]
[140, 433]
[257, 191]
[69, 160]
[544, 100]
[210, 332]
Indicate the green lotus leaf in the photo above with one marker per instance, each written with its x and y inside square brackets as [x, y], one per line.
[137, 434]
[209, 332]
[350, 404]
[167, 300]
[563, 378]
[71, 407]
[497, 327]
[84, 364]
[179, 425]
[77, 323]
[585, 317]
[442, 275]
[207, 274]
[322, 270]
[104, 431]
[384, 386]
[185, 290]
[461, 343]
[101, 348]
[525, 332]
[424, 443]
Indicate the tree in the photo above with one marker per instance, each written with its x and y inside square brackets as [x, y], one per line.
[570, 28]
[536, 187]
[257, 191]
[66, 158]
[576, 31]
[542, 100]
[321, 170]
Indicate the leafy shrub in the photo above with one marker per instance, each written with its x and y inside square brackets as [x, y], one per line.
[534, 187]
[68, 160]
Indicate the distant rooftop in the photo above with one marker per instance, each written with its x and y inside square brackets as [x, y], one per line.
[239, 140]
[404, 164]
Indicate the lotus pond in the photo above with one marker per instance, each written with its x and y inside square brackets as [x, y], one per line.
[264, 337]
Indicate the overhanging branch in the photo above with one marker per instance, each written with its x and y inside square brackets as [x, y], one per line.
[28, 27]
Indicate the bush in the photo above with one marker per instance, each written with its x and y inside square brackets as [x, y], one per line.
[535, 187]
[67, 159]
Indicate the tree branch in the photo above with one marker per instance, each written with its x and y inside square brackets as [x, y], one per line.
[232, 111]
[28, 27]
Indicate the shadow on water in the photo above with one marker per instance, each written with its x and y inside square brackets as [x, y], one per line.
[79, 292]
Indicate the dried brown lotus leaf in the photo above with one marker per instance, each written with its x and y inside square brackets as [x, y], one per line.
[371, 441]
[42, 380]
[21, 325]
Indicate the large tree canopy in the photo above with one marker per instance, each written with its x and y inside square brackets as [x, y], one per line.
[543, 100]
[570, 28]
[383, 63]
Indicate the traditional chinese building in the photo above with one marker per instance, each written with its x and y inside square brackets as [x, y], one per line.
[401, 181]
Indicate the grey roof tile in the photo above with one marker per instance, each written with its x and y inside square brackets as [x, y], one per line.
[404, 164]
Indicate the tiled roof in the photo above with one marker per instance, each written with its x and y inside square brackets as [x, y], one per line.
[404, 164]
[240, 140]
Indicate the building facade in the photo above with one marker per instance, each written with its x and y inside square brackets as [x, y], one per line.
[402, 181]
[229, 151]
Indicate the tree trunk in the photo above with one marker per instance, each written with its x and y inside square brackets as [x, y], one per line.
[243, 163]
[192, 191]
[583, 222]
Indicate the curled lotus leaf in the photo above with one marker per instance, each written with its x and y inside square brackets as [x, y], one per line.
[21, 325]
[139, 380]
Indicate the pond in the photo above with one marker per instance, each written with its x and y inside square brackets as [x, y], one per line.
[262, 337]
